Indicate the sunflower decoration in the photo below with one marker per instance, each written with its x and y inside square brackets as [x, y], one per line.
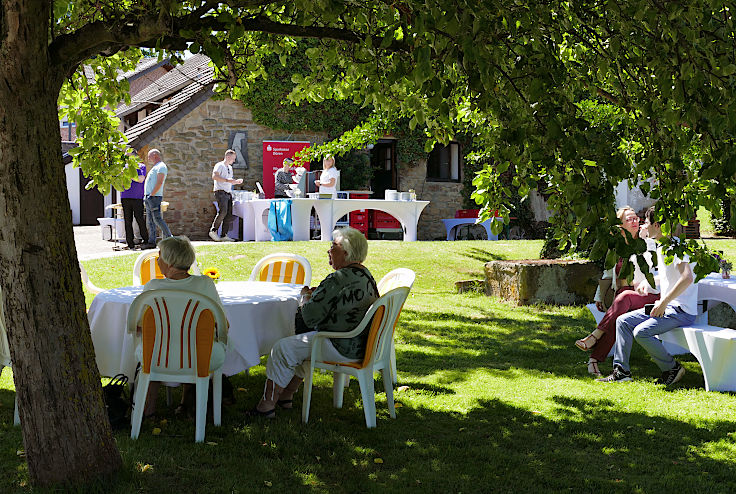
[213, 273]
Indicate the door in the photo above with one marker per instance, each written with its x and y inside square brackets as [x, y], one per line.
[91, 203]
[383, 162]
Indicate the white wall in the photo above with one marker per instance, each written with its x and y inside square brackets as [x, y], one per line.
[72, 189]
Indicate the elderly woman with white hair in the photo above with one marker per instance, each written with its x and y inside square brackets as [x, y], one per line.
[176, 255]
[338, 304]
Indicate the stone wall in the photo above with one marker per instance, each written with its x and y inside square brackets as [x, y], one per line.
[542, 281]
[194, 144]
[444, 199]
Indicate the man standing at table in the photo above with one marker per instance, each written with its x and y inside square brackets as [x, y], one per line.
[132, 201]
[677, 306]
[222, 175]
[154, 194]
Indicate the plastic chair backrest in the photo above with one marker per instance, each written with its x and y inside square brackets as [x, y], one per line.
[382, 317]
[396, 278]
[178, 329]
[283, 268]
[146, 268]
[91, 287]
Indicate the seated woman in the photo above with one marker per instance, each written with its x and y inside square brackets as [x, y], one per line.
[283, 179]
[627, 298]
[176, 255]
[338, 304]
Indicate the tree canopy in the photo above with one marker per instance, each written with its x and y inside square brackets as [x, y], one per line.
[572, 97]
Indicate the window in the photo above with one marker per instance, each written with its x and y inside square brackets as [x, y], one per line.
[443, 164]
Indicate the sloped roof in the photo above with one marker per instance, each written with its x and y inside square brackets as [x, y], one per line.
[194, 69]
[170, 112]
[145, 64]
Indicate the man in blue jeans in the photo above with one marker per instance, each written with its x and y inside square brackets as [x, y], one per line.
[153, 195]
[676, 307]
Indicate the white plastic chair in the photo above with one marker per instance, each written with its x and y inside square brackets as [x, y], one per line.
[184, 337]
[283, 268]
[146, 268]
[397, 277]
[377, 357]
[91, 287]
[5, 355]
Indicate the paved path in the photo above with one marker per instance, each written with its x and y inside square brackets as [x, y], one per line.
[90, 245]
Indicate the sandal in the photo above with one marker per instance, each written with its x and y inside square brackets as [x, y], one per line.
[593, 367]
[286, 404]
[256, 413]
[581, 344]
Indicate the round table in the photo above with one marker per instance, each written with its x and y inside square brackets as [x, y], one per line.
[260, 313]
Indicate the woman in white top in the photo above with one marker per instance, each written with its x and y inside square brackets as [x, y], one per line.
[627, 298]
[327, 182]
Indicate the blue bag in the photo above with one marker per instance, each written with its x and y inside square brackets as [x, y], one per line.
[279, 220]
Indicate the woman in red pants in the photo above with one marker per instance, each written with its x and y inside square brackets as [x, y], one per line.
[628, 298]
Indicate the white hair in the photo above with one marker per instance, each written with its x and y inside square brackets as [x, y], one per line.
[177, 252]
[353, 243]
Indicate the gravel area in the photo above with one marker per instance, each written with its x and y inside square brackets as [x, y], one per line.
[90, 245]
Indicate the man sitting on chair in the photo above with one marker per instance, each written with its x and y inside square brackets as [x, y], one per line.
[676, 307]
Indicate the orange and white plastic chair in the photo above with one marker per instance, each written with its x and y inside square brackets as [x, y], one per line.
[377, 357]
[183, 339]
[5, 355]
[397, 277]
[146, 268]
[283, 268]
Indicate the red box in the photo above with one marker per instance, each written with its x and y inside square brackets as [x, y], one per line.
[360, 196]
[467, 213]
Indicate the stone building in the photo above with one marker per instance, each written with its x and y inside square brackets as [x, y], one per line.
[178, 115]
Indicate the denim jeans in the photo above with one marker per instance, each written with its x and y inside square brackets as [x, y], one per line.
[637, 325]
[154, 218]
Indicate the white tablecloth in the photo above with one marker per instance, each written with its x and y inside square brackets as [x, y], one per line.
[259, 314]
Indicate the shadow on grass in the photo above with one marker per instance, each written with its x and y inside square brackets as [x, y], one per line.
[481, 255]
[585, 445]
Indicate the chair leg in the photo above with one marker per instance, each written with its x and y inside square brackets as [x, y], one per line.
[168, 396]
[389, 388]
[139, 404]
[307, 399]
[338, 388]
[202, 386]
[217, 398]
[367, 393]
[394, 375]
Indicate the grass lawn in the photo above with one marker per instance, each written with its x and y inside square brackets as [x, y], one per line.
[492, 398]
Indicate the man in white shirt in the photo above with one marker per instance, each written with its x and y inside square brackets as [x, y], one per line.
[222, 175]
[676, 307]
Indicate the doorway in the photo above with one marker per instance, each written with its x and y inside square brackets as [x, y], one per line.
[383, 163]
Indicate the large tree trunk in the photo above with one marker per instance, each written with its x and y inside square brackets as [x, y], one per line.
[66, 432]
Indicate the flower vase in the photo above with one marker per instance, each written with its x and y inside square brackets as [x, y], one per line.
[725, 274]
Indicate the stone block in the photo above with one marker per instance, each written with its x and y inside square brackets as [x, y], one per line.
[546, 281]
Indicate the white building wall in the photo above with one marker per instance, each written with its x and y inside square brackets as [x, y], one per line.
[72, 189]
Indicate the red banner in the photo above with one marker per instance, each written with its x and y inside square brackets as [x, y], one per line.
[274, 153]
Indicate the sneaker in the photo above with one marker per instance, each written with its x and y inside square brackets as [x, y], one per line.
[214, 236]
[227, 239]
[617, 376]
[673, 375]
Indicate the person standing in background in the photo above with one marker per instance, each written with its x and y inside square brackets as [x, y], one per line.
[153, 195]
[327, 182]
[132, 201]
[222, 175]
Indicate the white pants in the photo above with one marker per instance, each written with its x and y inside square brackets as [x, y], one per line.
[290, 356]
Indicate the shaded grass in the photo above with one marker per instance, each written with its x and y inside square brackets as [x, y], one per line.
[493, 398]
